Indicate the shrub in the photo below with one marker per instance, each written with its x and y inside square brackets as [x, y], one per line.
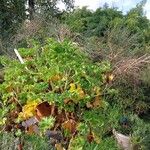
[63, 76]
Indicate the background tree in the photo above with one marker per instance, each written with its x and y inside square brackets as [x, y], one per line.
[12, 13]
[93, 23]
[136, 22]
[78, 20]
[89, 23]
[31, 8]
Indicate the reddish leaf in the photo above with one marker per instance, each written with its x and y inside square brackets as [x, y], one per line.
[61, 117]
[20, 147]
[43, 110]
[90, 137]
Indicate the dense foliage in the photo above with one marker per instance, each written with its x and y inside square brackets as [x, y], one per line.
[14, 12]
[91, 68]
[98, 22]
[60, 74]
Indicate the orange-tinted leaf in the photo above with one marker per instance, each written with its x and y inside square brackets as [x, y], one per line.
[68, 101]
[97, 102]
[70, 125]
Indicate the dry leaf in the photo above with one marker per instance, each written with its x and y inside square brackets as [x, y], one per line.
[90, 137]
[56, 78]
[59, 147]
[32, 129]
[93, 137]
[43, 110]
[54, 110]
[20, 147]
[109, 77]
[61, 117]
[96, 138]
[68, 101]
[89, 105]
[97, 102]
[70, 125]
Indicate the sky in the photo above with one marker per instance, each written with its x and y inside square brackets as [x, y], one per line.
[123, 5]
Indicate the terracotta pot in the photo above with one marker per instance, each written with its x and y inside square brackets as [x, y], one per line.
[124, 142]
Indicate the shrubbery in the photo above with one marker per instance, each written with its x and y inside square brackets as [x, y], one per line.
[63, 76]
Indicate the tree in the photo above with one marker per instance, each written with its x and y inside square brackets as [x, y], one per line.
[12, 13]
[92, 23]
[47, 7]
[31, 8]
[137, 22]
[102, 19]
[78, 20]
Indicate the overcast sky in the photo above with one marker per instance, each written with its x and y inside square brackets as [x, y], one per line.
[123, 5]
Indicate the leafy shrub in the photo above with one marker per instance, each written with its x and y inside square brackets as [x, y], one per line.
[63, 76]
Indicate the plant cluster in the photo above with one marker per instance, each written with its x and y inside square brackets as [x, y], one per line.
[62, 77]
[73, 91]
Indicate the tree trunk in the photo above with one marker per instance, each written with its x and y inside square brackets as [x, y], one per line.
[31, 9]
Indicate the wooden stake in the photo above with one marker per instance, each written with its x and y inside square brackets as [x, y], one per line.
[19, 56]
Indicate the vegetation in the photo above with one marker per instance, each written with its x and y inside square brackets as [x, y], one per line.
[85, 73]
